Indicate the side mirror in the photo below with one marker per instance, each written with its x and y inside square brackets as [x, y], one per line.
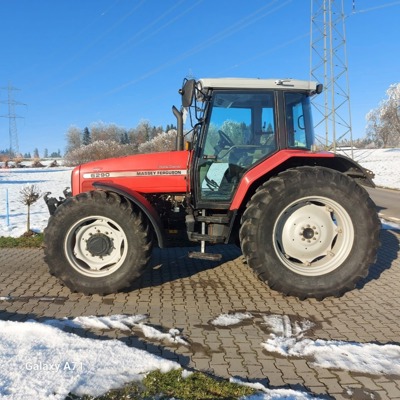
[187, 92]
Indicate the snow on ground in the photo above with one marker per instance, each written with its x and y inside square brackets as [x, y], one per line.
[230, 319]
[264, 393]
[42, 362]
[122, 322]
[287, 340]
[13, 213]
[385, 163]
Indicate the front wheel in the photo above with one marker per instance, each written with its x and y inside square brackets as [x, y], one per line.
[97, 243]
[310, 232]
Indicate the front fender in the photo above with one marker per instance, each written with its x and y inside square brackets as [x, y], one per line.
[143, 204]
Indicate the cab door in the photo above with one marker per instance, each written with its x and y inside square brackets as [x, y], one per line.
[239, 131]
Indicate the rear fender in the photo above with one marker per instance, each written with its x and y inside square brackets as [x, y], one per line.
[143, 204]
[286, 159]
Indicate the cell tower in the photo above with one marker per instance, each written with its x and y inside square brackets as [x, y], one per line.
[328, 65]
[12, 117]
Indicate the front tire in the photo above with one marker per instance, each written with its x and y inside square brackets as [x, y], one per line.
[310, 232]
[96, 243]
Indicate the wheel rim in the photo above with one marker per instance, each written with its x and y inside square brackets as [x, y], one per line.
[313, 236]
[96, 246]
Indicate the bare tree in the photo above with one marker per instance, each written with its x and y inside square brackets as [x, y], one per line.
[105, 132]
[98, 150]
[74, 140]
[384, 121]
[164, 141]
[29, 195]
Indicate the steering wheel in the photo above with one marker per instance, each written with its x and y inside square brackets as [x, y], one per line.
[224, 139]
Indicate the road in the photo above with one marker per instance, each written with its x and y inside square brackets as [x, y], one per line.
[387, 202]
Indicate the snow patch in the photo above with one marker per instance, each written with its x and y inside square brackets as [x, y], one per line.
[230, 319]
[287, 340]
[282, 325]
[121, 322]
[272, 394]
[173, 336]
[388, 225]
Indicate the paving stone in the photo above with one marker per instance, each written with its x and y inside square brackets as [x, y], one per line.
[391, 389]
[332, 385]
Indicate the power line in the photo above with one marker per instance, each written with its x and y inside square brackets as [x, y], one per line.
[12, 118]
[248, 20]
[396, 3]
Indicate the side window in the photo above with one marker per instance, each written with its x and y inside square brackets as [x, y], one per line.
[298, 120]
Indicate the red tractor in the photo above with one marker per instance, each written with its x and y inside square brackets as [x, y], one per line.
[247, 173]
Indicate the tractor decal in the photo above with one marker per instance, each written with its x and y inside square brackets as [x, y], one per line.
[123, 174]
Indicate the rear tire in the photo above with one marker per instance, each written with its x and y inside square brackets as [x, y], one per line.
[310, 232]
[96, 243]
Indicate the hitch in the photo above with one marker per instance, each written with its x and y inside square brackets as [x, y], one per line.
[52, 203]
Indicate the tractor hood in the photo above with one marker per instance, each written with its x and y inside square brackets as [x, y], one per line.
[144, 173]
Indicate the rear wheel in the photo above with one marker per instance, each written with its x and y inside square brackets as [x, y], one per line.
[310, 232]
[97, 243]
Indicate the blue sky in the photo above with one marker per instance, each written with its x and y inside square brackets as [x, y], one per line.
[121, 61]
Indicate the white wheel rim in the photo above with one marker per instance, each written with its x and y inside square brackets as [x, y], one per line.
[313, 236]
[96, 246]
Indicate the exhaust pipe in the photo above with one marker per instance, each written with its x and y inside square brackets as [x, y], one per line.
[179, 123]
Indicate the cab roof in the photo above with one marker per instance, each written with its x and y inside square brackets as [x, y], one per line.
[255, 83]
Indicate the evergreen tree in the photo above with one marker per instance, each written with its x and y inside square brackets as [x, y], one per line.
[170, 127]
[46, 153]
[36, 153]
[86, 138]
[124, 138]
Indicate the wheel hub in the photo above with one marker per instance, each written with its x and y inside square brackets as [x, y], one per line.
[99, 245]
[308, 233]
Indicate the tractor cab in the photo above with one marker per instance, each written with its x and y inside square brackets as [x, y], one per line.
[237, 124]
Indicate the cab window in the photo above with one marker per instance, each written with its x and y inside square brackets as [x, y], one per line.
[240, 131]
[299, 125]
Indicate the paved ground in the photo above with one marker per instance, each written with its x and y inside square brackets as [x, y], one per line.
[187, 294]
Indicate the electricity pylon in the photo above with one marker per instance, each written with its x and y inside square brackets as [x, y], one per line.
[328, 65]
[12, 119]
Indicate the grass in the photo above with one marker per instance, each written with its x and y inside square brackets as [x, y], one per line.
[156, 385]
[33, 240]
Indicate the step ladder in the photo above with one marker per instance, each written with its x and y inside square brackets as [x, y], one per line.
[203, 237]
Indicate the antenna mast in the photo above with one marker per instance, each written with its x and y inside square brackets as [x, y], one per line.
[328, 65]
